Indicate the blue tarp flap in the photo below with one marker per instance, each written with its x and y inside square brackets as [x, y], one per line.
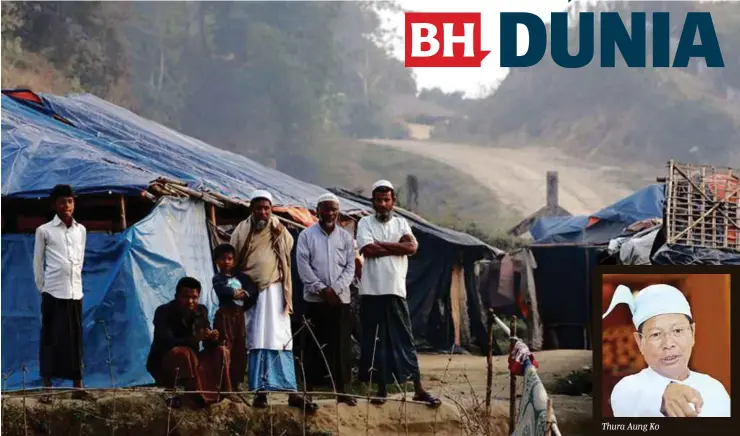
[557, 225]
[612, 220]
[112, 149]
[125, 277]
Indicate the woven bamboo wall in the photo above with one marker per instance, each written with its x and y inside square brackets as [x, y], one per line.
[703, 206]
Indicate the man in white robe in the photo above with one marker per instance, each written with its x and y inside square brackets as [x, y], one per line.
[665, 336]
[263, 246]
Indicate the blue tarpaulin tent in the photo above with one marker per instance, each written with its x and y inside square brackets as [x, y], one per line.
[110, 149]
[126, 275]
[605, 224]
[566, 250]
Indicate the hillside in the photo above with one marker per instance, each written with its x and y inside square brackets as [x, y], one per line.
[621, 115]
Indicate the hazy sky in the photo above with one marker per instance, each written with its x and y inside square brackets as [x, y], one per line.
[472, 81]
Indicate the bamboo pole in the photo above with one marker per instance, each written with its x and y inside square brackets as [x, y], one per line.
[122, 202]
[489, 366]
[512, 380]
[549, 421]
[212, 213]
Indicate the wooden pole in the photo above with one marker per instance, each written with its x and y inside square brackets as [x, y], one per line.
[552, 192]
[512, 381]
[548, 425]
[489, 366]
[122, 201]
[212, 214]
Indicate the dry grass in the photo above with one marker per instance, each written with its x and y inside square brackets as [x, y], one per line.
[33, 72]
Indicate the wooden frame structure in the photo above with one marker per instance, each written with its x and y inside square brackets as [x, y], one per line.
[703, 206]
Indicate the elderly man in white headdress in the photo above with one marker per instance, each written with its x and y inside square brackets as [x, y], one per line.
[263, 246]
[325, 256]
[665, 336]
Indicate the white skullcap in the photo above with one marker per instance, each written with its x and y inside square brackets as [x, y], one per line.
[328, 197]
[383, 184]
[261, 193]
[651, 301]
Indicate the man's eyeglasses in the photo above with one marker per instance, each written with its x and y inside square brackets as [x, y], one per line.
[658, 336]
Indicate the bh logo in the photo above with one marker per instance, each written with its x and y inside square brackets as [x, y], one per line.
[449, 39]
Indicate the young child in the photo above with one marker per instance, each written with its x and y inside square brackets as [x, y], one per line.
[229, 321]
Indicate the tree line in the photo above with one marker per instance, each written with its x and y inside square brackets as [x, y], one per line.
[265, 79]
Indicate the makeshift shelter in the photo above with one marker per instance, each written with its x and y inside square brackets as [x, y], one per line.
[443, 299]
[147, 195]
[153, 200]
[567, 249]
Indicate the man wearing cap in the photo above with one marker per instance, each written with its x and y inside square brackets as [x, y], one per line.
[326, 263]
[59, 253]
[263, 247]
[665, 336]
[387, 345]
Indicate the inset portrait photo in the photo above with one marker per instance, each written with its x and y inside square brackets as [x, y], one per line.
[665, 345]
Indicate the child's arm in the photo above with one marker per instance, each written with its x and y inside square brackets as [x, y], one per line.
[38, 258]
[221, 286]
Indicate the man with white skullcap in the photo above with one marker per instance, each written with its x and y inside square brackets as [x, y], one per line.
[386, 241]
[263, 246]
[665, 336]
[325, 258]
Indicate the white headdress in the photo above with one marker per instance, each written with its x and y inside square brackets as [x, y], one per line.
[328, 197]
[651, 301]
[382, 184]
[261, 193]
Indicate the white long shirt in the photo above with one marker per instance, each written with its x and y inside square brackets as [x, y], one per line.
[383, 275]
[640, 395]
[59, 253]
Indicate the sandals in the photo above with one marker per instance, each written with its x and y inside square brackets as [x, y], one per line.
[350, 401]
[260, 401]
[304, 403]
[428, 398]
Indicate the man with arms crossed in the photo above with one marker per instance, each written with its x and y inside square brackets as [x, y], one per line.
[386, 241]
[665, 335]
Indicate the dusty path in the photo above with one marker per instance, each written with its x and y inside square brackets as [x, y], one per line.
[518, 175]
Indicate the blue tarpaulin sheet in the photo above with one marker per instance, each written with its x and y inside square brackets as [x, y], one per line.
[112, 149]
[644, 204]
[125, 277]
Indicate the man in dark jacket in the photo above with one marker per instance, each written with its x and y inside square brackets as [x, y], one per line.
[175, 358]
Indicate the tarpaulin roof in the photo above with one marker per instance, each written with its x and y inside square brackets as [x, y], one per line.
[604, 225]
[108, 148]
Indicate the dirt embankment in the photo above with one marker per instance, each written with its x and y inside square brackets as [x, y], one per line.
[518, 176]
[128, 413]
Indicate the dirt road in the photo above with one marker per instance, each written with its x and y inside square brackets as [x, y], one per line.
[518, 175]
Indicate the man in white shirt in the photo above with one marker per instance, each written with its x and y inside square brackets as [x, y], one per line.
[386, 241]
[59, 253]
[665, 335]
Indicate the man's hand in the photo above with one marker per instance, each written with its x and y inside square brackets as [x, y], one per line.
[330, 296]
[677, 400]
[214, 335]
[241, 294]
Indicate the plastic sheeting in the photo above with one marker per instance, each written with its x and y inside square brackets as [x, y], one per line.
[125, 277]
[564, 294]
[610, 221]
[112, 149]
[671, 254]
